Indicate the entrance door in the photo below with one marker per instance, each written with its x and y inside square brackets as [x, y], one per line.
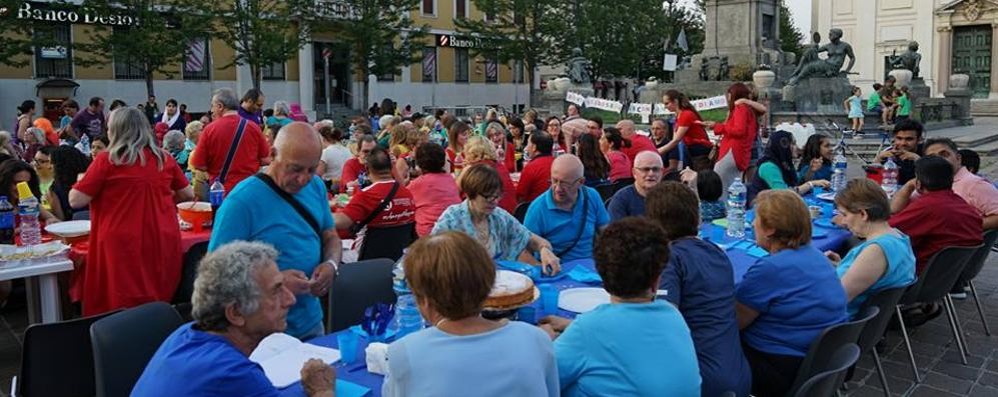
[338, 88]
[972, 56]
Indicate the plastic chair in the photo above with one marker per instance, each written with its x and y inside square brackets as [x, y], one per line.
[606, 190]
[885, 301]
[57, 359]
[358, 286]
[520, 212]
[934, 284]
[189, 272]
[827, 382]
[825, 346]
[974, 266]
[125, 342]
[185, 309]
[387, 242]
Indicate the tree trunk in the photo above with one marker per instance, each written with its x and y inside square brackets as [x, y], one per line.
[367, 88]
[255, 73]
[530, 80]
[149, 86]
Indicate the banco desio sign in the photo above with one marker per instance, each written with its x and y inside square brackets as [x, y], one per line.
[458, 41]
[69, 14]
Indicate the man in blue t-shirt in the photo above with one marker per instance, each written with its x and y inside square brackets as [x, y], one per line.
[630, 201]
[568, 214]
[310, 249]
[240, 298]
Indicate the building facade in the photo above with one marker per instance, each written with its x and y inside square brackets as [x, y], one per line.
[449, 76]
[955, 36]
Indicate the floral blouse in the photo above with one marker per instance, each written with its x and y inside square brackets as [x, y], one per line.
[507, 237]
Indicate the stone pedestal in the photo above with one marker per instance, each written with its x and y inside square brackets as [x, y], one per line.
[918, 89]
[552, 101]
[820, 95]
[960, 93]
[903, 77]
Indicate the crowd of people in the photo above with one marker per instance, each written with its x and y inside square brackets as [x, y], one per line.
[499, 188]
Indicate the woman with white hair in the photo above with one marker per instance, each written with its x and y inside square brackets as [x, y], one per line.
[281, 115]
[174, 142]
[7, 144]
[34, 139]
[131, 189]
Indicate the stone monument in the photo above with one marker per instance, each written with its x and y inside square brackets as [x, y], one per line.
[578, 81]
[905, 69]
[820, 85]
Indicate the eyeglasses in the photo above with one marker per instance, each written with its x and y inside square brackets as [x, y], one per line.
[646, 170]
[492, 197]
[557, 183]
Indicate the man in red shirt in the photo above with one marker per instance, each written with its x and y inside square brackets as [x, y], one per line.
[400, 210]
[639, 143]
[251, 153]
[535, 179]
[355, 166]
[939, 218]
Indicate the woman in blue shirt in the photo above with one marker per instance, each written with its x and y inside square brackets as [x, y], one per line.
[618, 349]
[885, 259]
[776, 168]
[786, 299]
[480, 217]
[700, 282]
[464, 354]
[816, 160]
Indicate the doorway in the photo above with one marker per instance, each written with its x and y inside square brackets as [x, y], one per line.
[337, 90]
[972, 56]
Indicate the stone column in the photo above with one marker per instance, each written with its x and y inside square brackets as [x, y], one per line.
[994, 67]
[945, 59]
[306, 81]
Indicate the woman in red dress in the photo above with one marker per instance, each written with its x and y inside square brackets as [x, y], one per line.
[457, 136]
[496, 133]
[131, 188]
[737, 133]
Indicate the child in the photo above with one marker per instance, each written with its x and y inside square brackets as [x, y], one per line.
[903, 103]
[971, 160]
[709, 189]
[854, 105]
[873, 102]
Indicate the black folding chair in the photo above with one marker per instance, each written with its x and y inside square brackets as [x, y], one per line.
[125, 342]
[884, 301]
[387, 242]
[358, 286]
[934, 285]
[189, 272]
[974, 266]
[827, 382]
[57, 359]
[825, 346]
[520, 212]
[606, 190]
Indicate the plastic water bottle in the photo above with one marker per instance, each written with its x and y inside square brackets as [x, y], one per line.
[27, 211]
[839, 174]
[407, 318]
[216, 193]
[890, 181]
[736, 209]
[6, 221]
[84, 144]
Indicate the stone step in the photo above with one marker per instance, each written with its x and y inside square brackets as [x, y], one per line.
[976, 139]
[988, 149]
[984, 108]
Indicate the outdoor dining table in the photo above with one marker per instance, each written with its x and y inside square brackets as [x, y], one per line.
[743, 254]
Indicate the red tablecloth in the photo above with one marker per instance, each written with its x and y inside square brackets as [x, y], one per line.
[78, 254]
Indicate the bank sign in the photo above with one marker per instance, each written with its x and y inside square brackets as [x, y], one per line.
[39, 12]
[456, 41]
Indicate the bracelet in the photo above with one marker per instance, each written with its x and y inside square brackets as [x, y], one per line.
[336, 266]
[810, 185]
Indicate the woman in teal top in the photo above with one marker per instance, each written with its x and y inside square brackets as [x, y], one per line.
[635, 345]
[885, 260]
[776, 168]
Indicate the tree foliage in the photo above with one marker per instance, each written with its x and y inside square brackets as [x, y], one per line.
[790, 37]
[156, 43]
[382, 36]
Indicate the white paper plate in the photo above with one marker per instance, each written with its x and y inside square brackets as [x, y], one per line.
[69, 229]
[581, 300]
[827, 196]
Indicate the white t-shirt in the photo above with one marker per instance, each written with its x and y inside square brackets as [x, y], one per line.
[334, 156]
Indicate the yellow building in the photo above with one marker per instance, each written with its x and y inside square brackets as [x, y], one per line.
[449, 76]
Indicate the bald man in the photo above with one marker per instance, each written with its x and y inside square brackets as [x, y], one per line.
[630, 201]
[639, 143]
[569, 214]
[263, 208]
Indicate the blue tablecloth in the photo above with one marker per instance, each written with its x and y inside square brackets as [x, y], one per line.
[825, 238]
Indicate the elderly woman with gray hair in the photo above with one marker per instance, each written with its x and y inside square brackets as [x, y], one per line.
[174, 142]
[131, 189]
[34, 139]
[239, 299]
[281, 115]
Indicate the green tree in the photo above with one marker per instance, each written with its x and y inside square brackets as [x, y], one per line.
[156, 42]
[267, 32]
[618, 36]
[382, 36]
[21, 34]
[531, 32]
[790, 37]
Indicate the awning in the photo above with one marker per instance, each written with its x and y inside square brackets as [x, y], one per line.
[56, 83]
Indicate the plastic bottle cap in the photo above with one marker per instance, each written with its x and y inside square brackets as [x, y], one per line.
[23, 191]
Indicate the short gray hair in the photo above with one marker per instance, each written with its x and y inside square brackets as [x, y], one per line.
[281, 107]
[37, 133]
[227, 277]
[174, 140]
[226, 97]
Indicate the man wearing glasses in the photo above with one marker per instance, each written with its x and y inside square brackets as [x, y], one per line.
[906, 149]
[354, 172]
[630, 201]
[569, 214]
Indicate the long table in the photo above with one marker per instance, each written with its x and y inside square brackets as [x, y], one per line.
[826, 238]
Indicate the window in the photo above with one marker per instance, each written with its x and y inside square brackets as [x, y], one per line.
[55, 61]
[389, 77]
[429, 64]
[461, 65]
[197, 61]
[273, 71]
[518, 72]
[460, 9]
[429, 7]
[491, 69]
[127, 67]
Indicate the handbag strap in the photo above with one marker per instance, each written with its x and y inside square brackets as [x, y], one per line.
[381, 207]
[232, 151]
[582, 225]
[293, 202]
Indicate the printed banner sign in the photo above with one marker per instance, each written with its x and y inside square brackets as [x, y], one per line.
[575, 98]
[639, 108]
[710, 103]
